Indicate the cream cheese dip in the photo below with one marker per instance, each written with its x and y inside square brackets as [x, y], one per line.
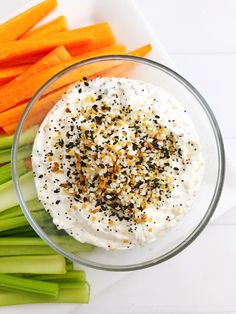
[116, 161]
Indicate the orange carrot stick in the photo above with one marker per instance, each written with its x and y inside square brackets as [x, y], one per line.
[93, 70]
[10, 128]
[7, 74]
[57, 56]
[37, 114]
[88, 38]
[2, 132]
[30, 60]
[59, 24]
[121, 70]
[113, 49]
[22, 90]
[21, 23]
[11, 116]
[141, 52]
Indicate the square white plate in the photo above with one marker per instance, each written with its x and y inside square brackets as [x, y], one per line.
[131, 29]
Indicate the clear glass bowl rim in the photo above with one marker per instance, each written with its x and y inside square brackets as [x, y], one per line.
[220, 175]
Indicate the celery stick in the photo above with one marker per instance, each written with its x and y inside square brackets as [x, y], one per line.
[29, 285]
[12, 223]
[18, 232]
[14, 212]
[24, 246]
[6, 141]
[5, 171]
[8, 194]
[68, 293]
[25, 138]
[69, 267]
[76, 292]
[75, 245]
[5, 155]
[70, 276]
[44, 264]
[11, 212]
[22, 241]
[26, 234]
[17, 211]
[33, 205]
[6, 185]
[25, 250]
[23, 152]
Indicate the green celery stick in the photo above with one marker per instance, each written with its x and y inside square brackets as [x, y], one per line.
[26, 234]
[24, 246]
[8, 194]
[43, 264]
[74, 292]
[5, 171]
[68, 293]
[18, 232]
[11, 212]
[15, 212]
[70, 276]
[5, 155]
[25, 250]
[75, 245]
[27, 137]
[69, 267]
[6, 141]
[33, 205]
[29, 285]
[22, 241]
[12, 223]
[23, 152]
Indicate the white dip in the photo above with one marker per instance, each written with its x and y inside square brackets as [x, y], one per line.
[116, 161]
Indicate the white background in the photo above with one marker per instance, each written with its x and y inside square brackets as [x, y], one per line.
[200, 36]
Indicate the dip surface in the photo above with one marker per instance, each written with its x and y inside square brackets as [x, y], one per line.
[116, 161]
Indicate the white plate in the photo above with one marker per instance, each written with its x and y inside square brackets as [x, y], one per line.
[131, 29]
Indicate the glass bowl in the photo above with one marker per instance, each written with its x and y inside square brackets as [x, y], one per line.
[192, 223]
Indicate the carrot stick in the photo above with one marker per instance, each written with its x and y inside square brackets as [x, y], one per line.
[113, 49]
[55, 57]
[121, 70]
[10, 128]
[59, 24]
[88, 38]
[141, 52]
[7, 74]
[22, 90]
[21, 23]
[93, 70]
[37, 114]
[25, 60]
[11, 116]
[2, 131]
